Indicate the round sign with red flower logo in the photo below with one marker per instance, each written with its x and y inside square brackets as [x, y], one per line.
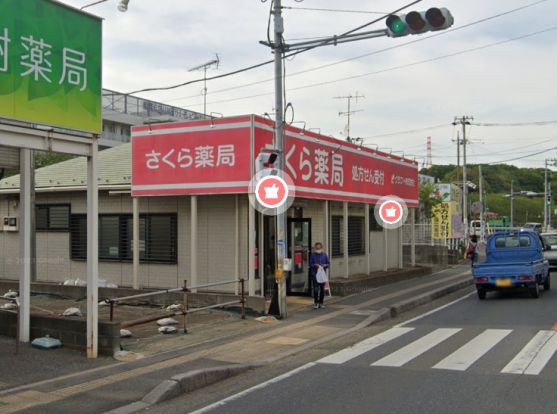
[271, 191]
[391, 212]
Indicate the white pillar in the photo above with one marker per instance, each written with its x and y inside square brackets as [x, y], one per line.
[326, 230]
[345, 241]
[251, 250]
[413, 237]
[236, 242]
[400, 249]
[25, 230]
[136, 247]
[366, 239]
[194, 281]
[260, 255]
[92, 252]
[386, 244]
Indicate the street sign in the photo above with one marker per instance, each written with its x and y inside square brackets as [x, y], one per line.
[271, 191]
[50, 65]
[391, 212]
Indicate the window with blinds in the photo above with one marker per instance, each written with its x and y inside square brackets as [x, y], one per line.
[373, 223]
[337, 236]
[356, 240]
[356, 236]
[52, 217]
[158, 238]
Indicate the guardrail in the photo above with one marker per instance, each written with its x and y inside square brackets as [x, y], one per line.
[185, 305]
[16, 301]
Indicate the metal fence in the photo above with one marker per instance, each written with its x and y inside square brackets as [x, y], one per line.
[423, 235]
[185, 311]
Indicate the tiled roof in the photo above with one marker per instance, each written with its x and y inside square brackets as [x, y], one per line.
[115, 169]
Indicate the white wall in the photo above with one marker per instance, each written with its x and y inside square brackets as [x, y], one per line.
[215, 235]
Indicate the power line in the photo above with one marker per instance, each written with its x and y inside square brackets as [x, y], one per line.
[333, 10]
[418, 39]
[514, 124]
[409, 131]
[525, 156]
[258, 65]
[393, 68]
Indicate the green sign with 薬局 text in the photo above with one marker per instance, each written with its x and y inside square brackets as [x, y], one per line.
[50, 65]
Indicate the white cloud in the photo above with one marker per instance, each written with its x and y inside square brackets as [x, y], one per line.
[155, 43]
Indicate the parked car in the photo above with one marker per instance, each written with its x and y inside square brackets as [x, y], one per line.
[514, 259]
[550, 240]
[532, 226]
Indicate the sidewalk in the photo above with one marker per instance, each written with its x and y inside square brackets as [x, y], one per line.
[67, 380]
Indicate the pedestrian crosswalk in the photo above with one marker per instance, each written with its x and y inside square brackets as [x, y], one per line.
[531, 355]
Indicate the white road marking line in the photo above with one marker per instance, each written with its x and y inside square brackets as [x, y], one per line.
[431, 312]
[241, 394]
[366, 345]
[462, 358]
[532, 359]
[416, 348]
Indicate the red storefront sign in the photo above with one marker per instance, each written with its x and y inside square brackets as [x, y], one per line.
[213, 157]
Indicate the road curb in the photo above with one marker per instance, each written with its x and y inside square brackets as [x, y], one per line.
[183, 384]
[406, 305]
[194, 380]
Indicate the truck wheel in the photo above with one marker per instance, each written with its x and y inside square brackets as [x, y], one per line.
[535, 291]
[481, 293]
[547, 283]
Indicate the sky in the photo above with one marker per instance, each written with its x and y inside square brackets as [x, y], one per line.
[500, 71]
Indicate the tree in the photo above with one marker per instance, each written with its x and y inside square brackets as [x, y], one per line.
[428, 200]
[43, 159]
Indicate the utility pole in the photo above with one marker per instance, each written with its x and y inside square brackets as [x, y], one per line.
[349, 112]
[457, 156]
[547, 195]
[512, 203]
[464, 120]
[204, 67]
[482, 210]
[278, 50]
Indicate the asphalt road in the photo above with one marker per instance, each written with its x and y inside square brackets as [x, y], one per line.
[472, 356]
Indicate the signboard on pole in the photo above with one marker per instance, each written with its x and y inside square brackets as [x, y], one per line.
[50, 65]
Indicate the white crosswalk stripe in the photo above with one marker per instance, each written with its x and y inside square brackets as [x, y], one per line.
[532, 359]
[416, 348]
[366, 345]
[464, 357]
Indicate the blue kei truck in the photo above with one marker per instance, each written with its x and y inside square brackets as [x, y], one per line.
[514, 259]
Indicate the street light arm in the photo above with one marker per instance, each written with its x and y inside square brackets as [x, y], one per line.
[93, 4]
[122, 6]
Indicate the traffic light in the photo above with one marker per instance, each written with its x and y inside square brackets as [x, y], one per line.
[548, 199]
[419, 22]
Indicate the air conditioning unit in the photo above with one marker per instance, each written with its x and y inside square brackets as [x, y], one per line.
[10, 224]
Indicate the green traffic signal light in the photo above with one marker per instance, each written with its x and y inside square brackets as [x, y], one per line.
[396, 25]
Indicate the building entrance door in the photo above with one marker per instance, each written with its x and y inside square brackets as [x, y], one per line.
[299, 249]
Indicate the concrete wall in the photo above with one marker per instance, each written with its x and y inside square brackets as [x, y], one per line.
[72, 332]
[428, 255]
[215, 235]
[216, 241]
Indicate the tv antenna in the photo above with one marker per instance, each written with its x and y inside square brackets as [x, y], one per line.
[204, 67]
[349, 112]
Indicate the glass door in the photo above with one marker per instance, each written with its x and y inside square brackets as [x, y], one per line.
[299, 248]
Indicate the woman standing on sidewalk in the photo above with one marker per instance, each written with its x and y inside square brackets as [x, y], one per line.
[318, 265]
